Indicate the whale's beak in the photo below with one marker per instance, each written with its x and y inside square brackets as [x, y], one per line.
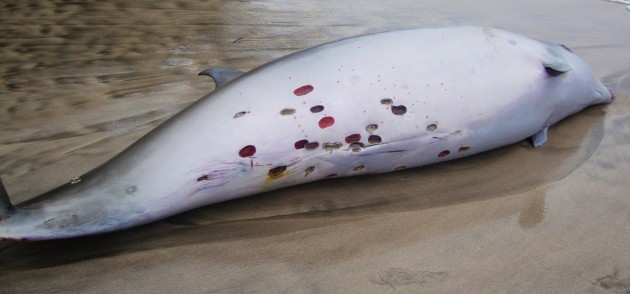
[602, 93]
[612, 95]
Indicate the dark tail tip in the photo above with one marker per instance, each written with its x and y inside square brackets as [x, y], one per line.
[221, 76]
[6, 208]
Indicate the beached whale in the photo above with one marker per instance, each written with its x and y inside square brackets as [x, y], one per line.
[370, 104]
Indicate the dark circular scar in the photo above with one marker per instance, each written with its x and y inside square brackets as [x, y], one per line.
[374, 139]
[311, 145]
[287, 111]
[317, 108]
[399, 110]
[277, 171]
[300, 144]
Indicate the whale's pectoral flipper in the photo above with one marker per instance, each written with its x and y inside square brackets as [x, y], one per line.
[5, 205]
[555, 64]
[222, 76]
[556, 69]
[540, 138]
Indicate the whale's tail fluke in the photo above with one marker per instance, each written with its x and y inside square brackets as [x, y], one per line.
[6, 208]
[222, 76]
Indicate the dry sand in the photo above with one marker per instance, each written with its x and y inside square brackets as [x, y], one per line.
[81, 81]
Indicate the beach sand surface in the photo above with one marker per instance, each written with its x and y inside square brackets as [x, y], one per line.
[80, 81]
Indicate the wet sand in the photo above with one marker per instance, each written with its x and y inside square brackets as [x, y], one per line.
[82, 81]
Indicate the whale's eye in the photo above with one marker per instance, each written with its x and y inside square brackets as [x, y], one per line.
[566, 48]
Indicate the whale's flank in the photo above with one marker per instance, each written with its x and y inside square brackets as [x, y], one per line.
[340, 109]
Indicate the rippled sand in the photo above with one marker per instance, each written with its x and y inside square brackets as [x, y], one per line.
[81, 81]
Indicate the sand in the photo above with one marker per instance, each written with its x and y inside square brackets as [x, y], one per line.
[81, 81]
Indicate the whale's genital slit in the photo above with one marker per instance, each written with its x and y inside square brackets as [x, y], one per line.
[444, 153]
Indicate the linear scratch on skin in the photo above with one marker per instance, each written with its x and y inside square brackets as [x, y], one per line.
[380, 152]
[218, 176]
[83, 145]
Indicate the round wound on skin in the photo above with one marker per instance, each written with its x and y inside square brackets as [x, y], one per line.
[301, 91]
[353, 138]
[300, 144]
[247, 151]
[374, 139]
[386, 101]
[326, 121]
[371, 128]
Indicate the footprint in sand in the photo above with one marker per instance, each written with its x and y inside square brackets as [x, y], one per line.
[396, 277]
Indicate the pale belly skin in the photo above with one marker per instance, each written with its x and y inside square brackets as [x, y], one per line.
[371, 104]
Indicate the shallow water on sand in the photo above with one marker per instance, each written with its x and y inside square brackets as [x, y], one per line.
[82, 80]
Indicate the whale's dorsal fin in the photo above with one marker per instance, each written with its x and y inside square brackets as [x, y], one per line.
[5, 205]
[540, 138]
[222, 76]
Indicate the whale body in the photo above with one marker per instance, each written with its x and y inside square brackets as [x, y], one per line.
[369, 104]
